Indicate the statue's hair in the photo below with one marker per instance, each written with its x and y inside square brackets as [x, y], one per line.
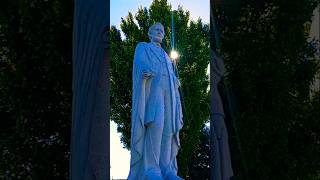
[152, 27]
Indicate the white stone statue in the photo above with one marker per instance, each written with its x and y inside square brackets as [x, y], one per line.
[156, 112]
[222, 168]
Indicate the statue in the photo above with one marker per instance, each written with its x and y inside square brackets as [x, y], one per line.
[156, 112]
[222, 162]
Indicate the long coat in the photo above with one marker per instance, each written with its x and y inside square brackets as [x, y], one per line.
[146, 104]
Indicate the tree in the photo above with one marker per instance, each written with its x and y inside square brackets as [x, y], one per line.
[35, 88]
[271, 65]
[192, 42]
[199, 165]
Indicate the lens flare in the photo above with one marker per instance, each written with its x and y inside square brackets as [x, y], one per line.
[174, 54]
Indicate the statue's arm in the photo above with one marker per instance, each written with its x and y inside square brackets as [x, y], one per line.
[141, 61]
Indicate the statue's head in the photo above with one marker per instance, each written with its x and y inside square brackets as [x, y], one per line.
[156, 33]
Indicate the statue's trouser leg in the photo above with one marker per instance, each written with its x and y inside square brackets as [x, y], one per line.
[167, 157]
[153, 145]
[158, 143]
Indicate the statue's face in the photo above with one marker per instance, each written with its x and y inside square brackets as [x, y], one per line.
[157, 34]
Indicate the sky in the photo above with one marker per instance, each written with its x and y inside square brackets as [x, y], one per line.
[120, 8]
[120, 157]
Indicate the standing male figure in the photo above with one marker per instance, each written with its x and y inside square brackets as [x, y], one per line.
[156, 112]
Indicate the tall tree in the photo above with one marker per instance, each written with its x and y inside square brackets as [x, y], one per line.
[192, 42]
[271, 65]
[199, 165]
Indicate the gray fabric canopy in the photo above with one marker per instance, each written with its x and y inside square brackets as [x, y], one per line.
[90, 107]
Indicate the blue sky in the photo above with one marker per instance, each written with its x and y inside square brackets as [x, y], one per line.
[120, 157]
[120, 8]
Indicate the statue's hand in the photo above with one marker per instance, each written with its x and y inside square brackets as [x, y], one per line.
[147, 75]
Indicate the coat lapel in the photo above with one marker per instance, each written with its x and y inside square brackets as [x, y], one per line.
[155, 53]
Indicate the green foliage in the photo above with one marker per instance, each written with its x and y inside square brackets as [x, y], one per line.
[271, 65]
[199, 165]
[192, 43]
[35, 88]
